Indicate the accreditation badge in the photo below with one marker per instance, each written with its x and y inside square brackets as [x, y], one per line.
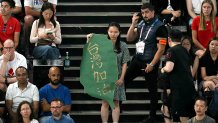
[140, 46]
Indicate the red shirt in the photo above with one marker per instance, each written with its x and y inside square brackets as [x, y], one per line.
[204, 36]
[12, 26]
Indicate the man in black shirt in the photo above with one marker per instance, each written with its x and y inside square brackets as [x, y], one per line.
[181, 80]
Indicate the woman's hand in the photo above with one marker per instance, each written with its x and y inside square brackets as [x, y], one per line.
[89, 36]
[43, 36]
[119, 82]
[51, 36]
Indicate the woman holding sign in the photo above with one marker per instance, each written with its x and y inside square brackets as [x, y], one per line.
[121, 49]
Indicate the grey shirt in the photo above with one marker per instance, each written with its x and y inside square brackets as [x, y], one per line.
[207, 119]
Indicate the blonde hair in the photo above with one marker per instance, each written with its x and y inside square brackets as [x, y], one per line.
[212, 17]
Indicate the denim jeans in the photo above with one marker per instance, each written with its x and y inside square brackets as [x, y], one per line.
[46, 52]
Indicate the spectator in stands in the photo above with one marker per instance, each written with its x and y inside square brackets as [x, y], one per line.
[194, 8]
[200, 110]
[57, 115]
[123, 57]
[25, 113]
[53, 90]
[32, 11]
[10, 26]
[20, 91]
[177, 64]
[194, 58]
[150, 47]
[209, 66]
[170, 11]
[46, 34]
[17, 9]
[9, 62]
[205, 26]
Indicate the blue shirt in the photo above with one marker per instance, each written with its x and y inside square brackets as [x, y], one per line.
[49, 93]
[64, 119]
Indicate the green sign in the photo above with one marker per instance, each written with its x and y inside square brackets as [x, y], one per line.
[98, 70]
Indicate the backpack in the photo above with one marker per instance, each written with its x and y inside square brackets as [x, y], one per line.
[213, 106]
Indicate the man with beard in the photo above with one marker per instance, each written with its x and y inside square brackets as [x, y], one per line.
[53, 90]
[56, 110]
[151, 35]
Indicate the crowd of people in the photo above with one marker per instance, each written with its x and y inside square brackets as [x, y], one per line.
[189, 57]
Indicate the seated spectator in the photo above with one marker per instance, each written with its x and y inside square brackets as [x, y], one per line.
[205, 26]
[57, 116]
[200, 108]
[53, 90]
[188, 44]
[25, 113]
[32, 11]
[170, 11]
[17, 9]
[194, 8]
[9, 62]
[10, 26]
[209, 66]
[46, 34]
[20, 91]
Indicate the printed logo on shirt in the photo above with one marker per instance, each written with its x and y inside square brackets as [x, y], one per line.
[11, 72]
[37, 2]
[168, 55]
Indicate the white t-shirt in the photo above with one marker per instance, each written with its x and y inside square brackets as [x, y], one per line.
[34, 121]
[30, 94]
[19, 60]
[196, 4]
[37, 4]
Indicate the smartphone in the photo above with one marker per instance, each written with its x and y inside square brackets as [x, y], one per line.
[49, 33]
[139, 14]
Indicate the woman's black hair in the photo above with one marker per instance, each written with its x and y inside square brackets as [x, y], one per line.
[117, 43]
[46, 6]
[190, 41]
[208, 45]
[19, 116]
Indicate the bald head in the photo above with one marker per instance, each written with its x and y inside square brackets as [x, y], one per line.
[54, 76]
[8, 43]
[54, 69]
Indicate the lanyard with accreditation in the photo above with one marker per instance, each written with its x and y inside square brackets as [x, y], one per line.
[141, 44]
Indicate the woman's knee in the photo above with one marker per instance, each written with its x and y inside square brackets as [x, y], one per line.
[105, 104]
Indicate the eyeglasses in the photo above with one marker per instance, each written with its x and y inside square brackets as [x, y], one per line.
[55, 107]
[8, 48]
[4, 28]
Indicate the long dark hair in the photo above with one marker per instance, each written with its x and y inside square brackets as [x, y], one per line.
[46, 6]
[117, 43]
[19, 116]
[208, 46]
